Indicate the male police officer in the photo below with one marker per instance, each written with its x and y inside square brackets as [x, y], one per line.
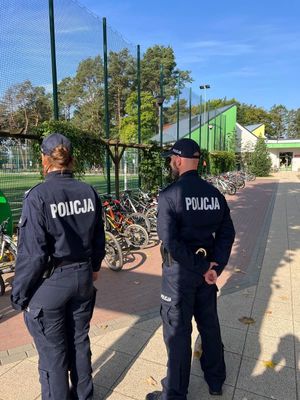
[60, 248]
[197, 234]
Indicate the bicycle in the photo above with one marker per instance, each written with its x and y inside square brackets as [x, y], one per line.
[114, 255]
[114, 220]
[8, 255]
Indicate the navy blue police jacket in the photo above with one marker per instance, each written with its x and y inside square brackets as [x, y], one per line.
[62, 221]
[191, 214]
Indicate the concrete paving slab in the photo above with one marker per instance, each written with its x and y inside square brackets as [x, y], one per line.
[108, 365]
[198, 389]
[150, 325]
[115, 396]
[26, 373]
[272, 326]
[231, 307]
[100, 392]
[155, 351]
[232, 367]
[244, 395]
[297, 354]
[233, 339]
[277, 309]
[274, 293]
[297, 329]
[267, 348]
[143, 377]
[278, 383]
[7, 367]
[126, 340]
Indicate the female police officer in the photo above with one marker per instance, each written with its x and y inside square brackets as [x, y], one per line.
[60, 249]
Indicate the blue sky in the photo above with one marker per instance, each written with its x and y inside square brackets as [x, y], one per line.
[247, 50]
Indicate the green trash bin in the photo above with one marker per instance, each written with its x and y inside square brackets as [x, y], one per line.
[5, 213]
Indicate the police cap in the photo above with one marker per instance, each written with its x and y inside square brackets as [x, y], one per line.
[52, 141]
[186, 148]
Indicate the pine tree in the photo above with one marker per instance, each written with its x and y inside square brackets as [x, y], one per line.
[261, 161]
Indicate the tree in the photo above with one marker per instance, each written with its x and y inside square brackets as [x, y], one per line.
[89, 95]
[67, 97]
[260, 161]
[129, 125]
[122, 81]
[150, 65]
[279, 121]
[294, 123]
[24, 106]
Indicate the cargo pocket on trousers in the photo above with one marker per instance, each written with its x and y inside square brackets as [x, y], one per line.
[32, 317]
[171, 313]
[45, 384]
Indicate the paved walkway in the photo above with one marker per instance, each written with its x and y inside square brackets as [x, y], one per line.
[263, 357]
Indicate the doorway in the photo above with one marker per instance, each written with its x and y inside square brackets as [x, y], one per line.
[285, 161]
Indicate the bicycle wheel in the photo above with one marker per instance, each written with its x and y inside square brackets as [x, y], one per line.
[136, 236]
[2, 286]
[151, 214]
[141, 219]
[7, 259]
[114, 255]
[231, 189]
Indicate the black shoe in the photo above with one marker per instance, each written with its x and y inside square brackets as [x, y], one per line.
[154, 395]
[213, 392]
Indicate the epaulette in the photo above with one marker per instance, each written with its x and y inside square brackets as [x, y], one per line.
[29, 190]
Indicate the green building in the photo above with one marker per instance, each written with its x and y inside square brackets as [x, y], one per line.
[213, 130]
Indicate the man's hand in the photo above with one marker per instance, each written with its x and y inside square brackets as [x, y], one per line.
[95, 276]
[210, 276]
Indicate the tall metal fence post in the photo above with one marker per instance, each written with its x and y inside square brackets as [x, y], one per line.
[225, 133]
[208, 138]
[190, 113]
[220, 139]
[161, 114]
[177, 109]
[106, 103]
[200, 121]
[138, 65]
[53, 60]
[215, 130]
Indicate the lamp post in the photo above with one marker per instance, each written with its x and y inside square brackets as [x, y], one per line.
[204, 87]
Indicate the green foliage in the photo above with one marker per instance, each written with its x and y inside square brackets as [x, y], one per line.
[24, 106]
[149, 121]
[153, 58]
[87, 149]
[222, 161]
[294, 124]
[151, 167]
[260, 160]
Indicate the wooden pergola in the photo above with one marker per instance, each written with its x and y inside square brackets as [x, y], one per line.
[114, 147]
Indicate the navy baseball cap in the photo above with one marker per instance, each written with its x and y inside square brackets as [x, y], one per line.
[186, 148]
[50, 142]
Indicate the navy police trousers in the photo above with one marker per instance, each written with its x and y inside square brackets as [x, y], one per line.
[58, 318]
[185, 294]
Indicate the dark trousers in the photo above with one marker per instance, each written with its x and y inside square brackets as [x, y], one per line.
[184, 295]
[58, 318]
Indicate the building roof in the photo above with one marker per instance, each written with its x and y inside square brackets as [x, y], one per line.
[170, 131]
[252, 127]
